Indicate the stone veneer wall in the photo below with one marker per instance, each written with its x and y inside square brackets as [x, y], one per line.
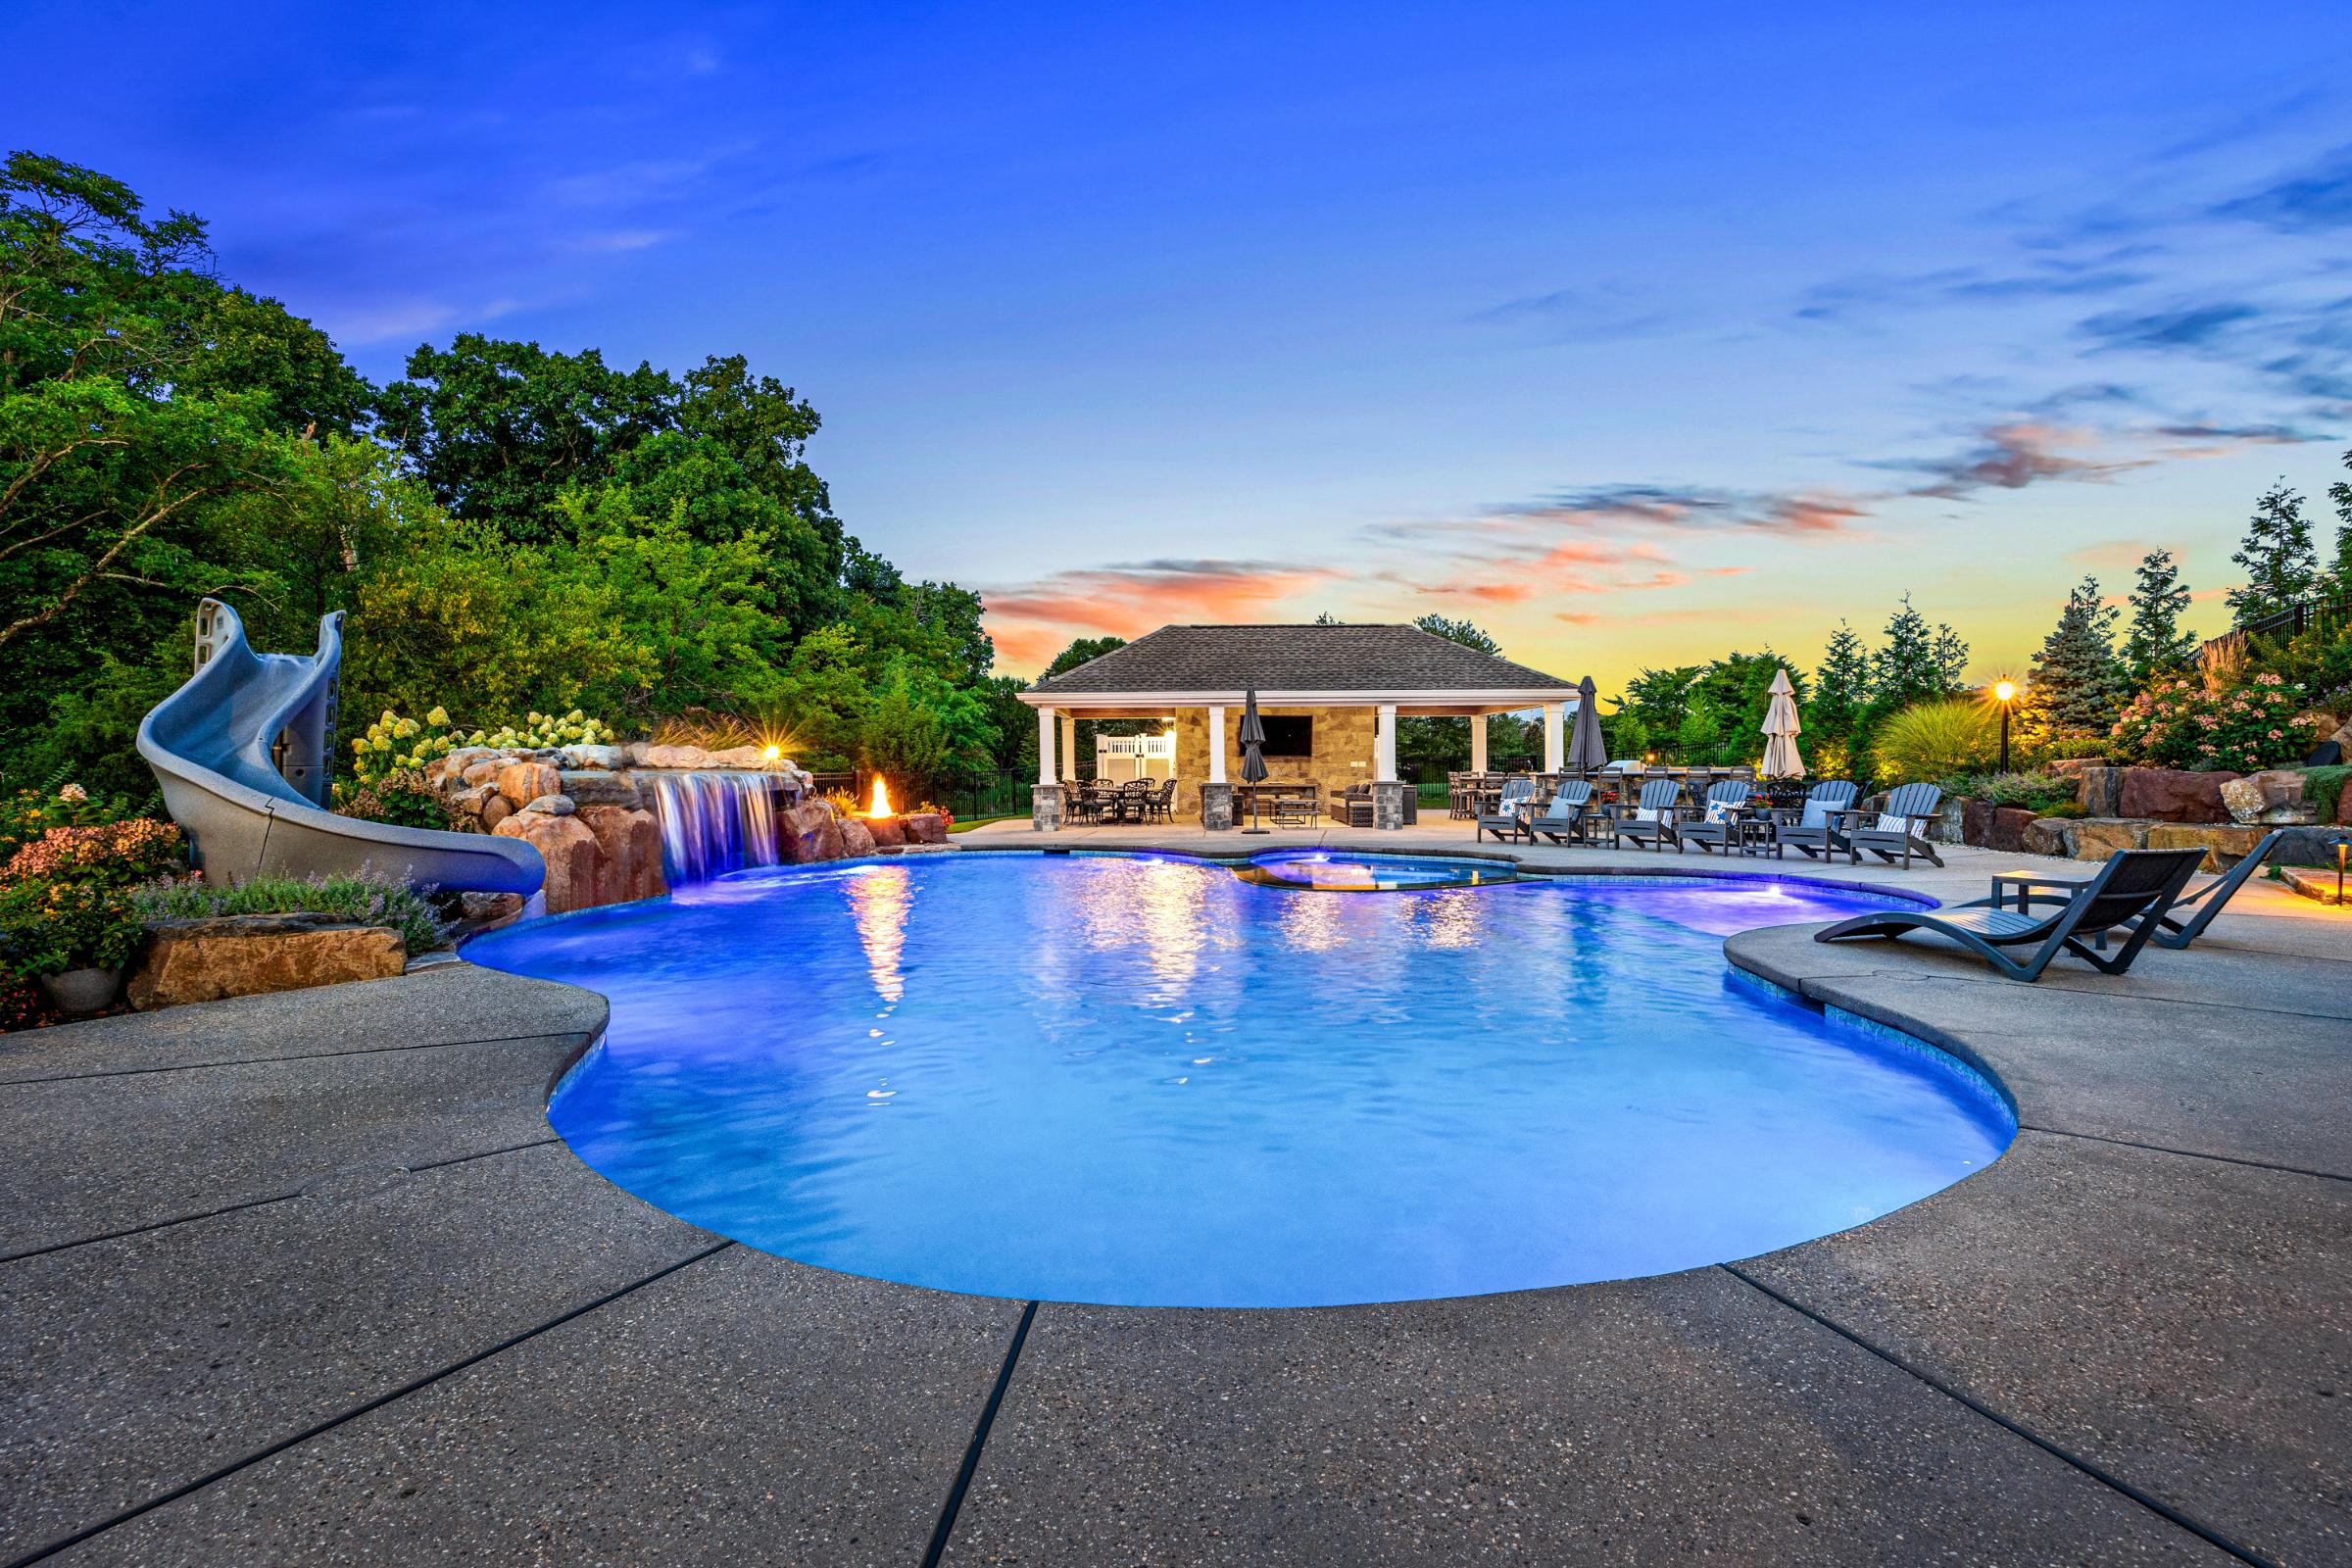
[1343, 751]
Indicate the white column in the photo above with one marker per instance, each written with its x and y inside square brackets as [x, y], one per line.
[1217, 744]
[1070, 745]
[1555, 750]
[1384, 743]
[1045, 748]
[1478, 743]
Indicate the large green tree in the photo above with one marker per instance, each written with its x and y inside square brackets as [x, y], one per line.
[2155, 643]
[2277, 554]
[2078, 683]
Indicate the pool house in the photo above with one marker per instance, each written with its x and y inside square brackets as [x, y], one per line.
[1329, 697]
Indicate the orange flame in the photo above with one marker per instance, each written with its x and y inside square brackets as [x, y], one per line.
[880, 805]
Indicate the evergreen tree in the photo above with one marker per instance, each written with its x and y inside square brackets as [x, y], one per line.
[2341, 493]
[2078, 684]
[2155, 644]
[1907, 670]
[1952, 658]
[1840, 696]
[2277, 555]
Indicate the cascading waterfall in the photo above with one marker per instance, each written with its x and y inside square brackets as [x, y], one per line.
[714, 823]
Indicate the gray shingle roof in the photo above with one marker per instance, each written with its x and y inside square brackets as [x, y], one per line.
[1296, 658]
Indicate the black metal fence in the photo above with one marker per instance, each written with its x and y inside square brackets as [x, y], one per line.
[2227, 652]
[1004, 792]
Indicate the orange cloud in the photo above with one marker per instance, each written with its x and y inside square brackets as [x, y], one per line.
[1031, 622]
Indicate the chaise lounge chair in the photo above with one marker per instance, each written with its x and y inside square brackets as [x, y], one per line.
[2132, 891]
[1815, 831]
[1713, 831]
[1563, 821]
[1899, 830]
[2191, 913]
[1510, 821]
[1652, 820]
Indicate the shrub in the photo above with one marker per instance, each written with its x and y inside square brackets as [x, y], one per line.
[48, 925]
[360, 897]
[2044, 794]
[397, 745]
[1937, 740]
[2324, 786]
[2178, 723]
[102, 855]
[545, 731]
[403, 799]
[26, 814]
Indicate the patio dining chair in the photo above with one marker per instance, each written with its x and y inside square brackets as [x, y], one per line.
[1650, 822]
[1719, 819]
[1162, 805]
[1900, 829]
[1814, 833]
[2131, 892]
[1509, 819]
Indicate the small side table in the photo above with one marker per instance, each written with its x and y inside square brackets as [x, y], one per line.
[2026, 883]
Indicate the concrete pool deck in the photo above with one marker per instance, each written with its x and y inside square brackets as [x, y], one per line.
[307, 1278]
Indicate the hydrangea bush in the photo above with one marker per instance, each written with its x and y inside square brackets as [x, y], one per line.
[397, 745]
[66, 887]
[545, 731]
[2178, 722]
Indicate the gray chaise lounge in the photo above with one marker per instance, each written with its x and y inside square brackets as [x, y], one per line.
[2132, 891]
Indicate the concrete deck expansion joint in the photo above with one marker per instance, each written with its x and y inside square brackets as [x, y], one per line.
[309, 1278]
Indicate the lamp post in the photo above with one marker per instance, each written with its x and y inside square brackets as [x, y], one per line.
[2343, 843]
[2006, 693]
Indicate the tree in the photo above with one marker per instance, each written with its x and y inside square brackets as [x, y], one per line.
[1841, 688]
[2341, 573]
[2277, 554]
[1905, 669]
[1952, 658]
[1079, 652]
[2155, 644]
[2078, 684]
[1454, 631]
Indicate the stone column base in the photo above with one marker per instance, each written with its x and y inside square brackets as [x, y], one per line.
[1044, 808]
[1387, 803]
[1216, 807]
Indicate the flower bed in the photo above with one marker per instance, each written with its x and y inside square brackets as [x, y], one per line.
[2178, 723]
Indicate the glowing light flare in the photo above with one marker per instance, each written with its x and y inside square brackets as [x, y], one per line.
[2004, 691]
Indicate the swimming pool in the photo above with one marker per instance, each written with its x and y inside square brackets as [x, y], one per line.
[1346, 871]
[1143, 1081]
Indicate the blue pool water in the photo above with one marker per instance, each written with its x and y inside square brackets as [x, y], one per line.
[1341, 872]
[1148, 1082]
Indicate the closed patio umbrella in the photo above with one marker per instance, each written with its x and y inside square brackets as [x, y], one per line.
[1253, 765]
[1587, 750]
[1781, 756]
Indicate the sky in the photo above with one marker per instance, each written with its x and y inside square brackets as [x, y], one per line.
[1632, 334]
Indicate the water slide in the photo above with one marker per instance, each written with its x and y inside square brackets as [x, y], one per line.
[244, 752]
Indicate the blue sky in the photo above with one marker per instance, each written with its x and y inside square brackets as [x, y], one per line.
[1634, 334]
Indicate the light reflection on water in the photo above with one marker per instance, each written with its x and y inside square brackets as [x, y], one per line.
[1146, 1082]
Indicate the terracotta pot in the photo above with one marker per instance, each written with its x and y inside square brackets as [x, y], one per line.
[72, 991]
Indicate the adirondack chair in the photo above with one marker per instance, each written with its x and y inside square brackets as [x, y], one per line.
[1815, 832]
[1510, 821]
[1651, 824]
[1713, 831]
[1899, 831]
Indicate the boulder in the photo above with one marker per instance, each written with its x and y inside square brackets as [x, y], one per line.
[2168, 795]
[857, 839]
[247, 954]
[604, 757]
[1950, 823]
[2045, 835]
[2009, 824]
[472, 798]
[524, 782]
[553, 805]
[628, 844]
[569, 850]
[675, 757]
[807, 834]
[490, 909]
[2319, 885]
[634, 752]
[2308, 845]
[593, 787]
[2224, 844]
[2273, 796]
[1976, 822]
[2094, 838]
[751, 757]
[496, 809]
[889, 832]
[482, 771]
[2100, 789]
[925, 827]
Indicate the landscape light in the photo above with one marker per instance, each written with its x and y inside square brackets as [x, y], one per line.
[2004, 692]
[774, 752]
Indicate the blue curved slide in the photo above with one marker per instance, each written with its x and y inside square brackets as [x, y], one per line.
[244, 752]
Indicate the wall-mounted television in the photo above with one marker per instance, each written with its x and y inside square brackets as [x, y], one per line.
[1288, 737]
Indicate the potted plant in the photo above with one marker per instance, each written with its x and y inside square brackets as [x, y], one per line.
[74, 937]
